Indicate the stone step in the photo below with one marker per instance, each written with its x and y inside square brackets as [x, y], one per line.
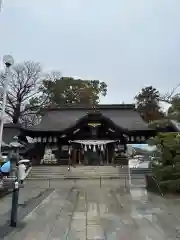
[75, 170]
[121, 176]
[76, 177]
[113, 169]
[80, 170]
[83, 172]
[74, 173]
[42, 172]
[100, 168]
[141, 171]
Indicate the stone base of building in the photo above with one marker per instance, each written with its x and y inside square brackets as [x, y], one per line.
[65, 161]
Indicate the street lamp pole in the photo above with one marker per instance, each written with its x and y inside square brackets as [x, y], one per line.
[8, 61]
[15, 194]
[1, 5]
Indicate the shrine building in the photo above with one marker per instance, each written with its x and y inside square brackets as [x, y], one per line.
[82, 135]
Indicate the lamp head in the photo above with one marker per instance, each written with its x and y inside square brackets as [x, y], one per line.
[15, 138]
[8, 60]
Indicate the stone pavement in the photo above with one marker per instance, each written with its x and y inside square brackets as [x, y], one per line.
[28, 200]
[86, 213]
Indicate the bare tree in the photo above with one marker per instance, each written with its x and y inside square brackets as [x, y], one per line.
[52, 76]
[31, 118]
[170, 96]
[23, 87]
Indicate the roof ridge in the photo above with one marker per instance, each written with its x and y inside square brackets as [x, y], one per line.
[86, 107]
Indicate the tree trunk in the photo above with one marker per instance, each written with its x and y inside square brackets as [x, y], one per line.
[17, 114]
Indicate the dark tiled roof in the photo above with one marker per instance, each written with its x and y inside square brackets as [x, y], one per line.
[62, 118]
[99, 106]
[129, 119]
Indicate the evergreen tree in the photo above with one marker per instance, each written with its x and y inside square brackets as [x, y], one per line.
[166, 167]
[147, 103]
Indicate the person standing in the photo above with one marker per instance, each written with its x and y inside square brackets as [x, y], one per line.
[21, 172]
[5, 169]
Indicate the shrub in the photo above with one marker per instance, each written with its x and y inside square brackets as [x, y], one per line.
[166, 167]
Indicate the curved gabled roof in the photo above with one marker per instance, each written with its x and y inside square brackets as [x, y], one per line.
[123, 116]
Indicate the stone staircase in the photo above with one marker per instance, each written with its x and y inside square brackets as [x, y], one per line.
[121, 160]
[81, 172]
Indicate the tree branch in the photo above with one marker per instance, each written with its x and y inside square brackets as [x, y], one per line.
[168, 97]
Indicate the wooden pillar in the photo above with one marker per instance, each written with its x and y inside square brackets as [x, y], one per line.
[107, 155]
[69, 159]
[79, 156]
[74, 156]
[113, 154]
[69, 154]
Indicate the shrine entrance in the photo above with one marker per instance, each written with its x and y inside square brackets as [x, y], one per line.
[92, 158]
[92, 152]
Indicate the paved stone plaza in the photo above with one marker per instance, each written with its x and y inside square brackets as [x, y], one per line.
[90, 212]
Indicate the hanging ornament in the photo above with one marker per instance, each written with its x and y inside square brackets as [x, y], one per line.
[143, 138]
[132, 139]
[35, 139]
[94, 148]
[89, 146]
[69, 152]
[102, 148]
[39, 139]
[44, 139]
[55, 139]
[50, 139]
[85, 148]
[138, 138]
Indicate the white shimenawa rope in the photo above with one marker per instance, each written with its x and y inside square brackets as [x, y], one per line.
[95, 143]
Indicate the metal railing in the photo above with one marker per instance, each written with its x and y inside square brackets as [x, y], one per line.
[101, 181]
[158, 186]
[7, 183]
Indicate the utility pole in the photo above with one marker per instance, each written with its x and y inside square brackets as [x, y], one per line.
[1, 3]
[8, 61]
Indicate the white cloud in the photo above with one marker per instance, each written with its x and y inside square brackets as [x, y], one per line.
[47, 11]
[126, 43]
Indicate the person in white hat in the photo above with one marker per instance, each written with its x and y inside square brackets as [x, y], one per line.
[21, 172]
[24, 168]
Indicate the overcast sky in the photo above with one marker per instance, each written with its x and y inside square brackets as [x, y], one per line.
[126, 43]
